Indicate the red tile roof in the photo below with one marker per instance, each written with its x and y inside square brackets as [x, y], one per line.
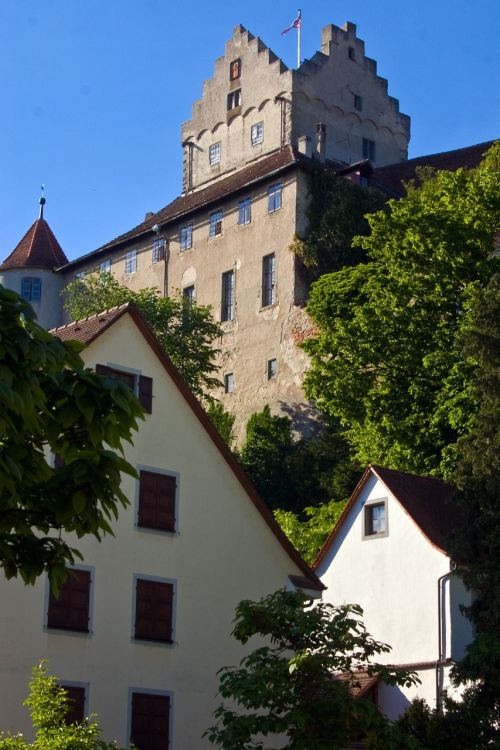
[359, 682]
[90, 328]
[391, 177]
[428, 501]
[37, 249]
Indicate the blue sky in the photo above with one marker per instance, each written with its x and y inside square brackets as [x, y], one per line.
[93, 93]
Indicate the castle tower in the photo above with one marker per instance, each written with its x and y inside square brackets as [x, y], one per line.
[30, 271]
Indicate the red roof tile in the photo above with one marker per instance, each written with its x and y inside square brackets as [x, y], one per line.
[87, 329]
[392, 176]
[37, 249]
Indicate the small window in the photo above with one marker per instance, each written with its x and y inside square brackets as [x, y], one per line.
[274, 197]
[244, 212]
[158, 253]
[257, 133]
[214, 153]
[154, 602]
[227, 296]
[352, 53]
[70, 610]
[229, 382]
[157, 501]
[140, 385]
[375, 519]
[189, 295]
[272, 369]
[358, 102]
[368, 149]
[268, 280]
[234, 70]
[31, 289]
[215, 224]
[105, 266]
[186, 237]
[76, 698]
[234, 99]
[131, 262]
[150, 721]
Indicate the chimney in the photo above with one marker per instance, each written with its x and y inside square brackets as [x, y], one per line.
[304, 145]
[320, 145]
[149, 214]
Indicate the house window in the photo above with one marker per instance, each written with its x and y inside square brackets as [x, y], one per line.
[228, 382]
[186, 237]
[158, 253]
[244, 212]
[70, 610]
[157, 501]
[150, 721]
[214, 153]
[215, 224]
[257, 133]
[234, 99]
[188, 294]
[234, 70]
[31, 289]
[105, 266]
[131, 262]
[368, 149]
[274, 197]
[272, 368]
[140, 385]
[358, 102]
[268, 280]
[352, 53]
[76, 699]
[154, 602]
[227, 297]
[375, 521]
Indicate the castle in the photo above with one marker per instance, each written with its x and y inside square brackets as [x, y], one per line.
[254, 138]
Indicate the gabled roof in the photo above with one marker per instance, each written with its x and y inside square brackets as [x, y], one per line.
[37, 249]
[391, 177]
[88, 329]
[428, 502]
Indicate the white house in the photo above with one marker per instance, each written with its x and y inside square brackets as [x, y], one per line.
[388, 553]
[144, 623]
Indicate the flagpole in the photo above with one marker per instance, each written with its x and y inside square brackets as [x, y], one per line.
[298, 38]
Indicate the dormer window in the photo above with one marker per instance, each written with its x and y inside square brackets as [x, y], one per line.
[234, 99]
[31, 289]
[234, 70]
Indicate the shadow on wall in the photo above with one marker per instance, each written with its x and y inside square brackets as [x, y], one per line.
[392, 701]
[306, 419]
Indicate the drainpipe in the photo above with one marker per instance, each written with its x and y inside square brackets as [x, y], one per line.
[441, 656]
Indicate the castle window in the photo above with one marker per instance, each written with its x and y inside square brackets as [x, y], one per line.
[31, 289]
[158, 250]
[274, 197]
[234, 70]
[131, 262]
[352, 53]
[228, 382]
[375, 519]
[358, 102]
[268, 280]
[188, 294]
[244, 212]
[257, 133]
[186, 237]
[105, 266]
[215, 224]
[368, 149]
[234, 99]
[214, 153]
[272, 369]
[227, 296]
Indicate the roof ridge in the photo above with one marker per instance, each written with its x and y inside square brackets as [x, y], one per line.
[115, 308]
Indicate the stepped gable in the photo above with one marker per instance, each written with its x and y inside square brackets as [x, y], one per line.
[392, 177]
[37, 249]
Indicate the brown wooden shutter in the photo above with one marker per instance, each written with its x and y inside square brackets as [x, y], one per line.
[153, 610]
[70, 610]
[150, 721]
[157, 501]
[146, 393]
[76, 699]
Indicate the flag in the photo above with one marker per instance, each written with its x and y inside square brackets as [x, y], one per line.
[297, 24]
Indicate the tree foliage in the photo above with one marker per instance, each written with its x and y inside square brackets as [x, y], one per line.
[386, 361]
[309, 535]
[292, 687]
[222, 420]
[186, 330]
[49, 707]
[51, 404]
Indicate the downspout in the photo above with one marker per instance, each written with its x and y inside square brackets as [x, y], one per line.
[441, 657]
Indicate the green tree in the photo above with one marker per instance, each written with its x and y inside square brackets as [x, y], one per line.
[309, 535]
[288, 687]
[51, 403]
[186, 330]
[222, 420]
[385, 361]
[49, 706]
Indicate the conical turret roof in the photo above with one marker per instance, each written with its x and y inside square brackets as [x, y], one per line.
[37, 249]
